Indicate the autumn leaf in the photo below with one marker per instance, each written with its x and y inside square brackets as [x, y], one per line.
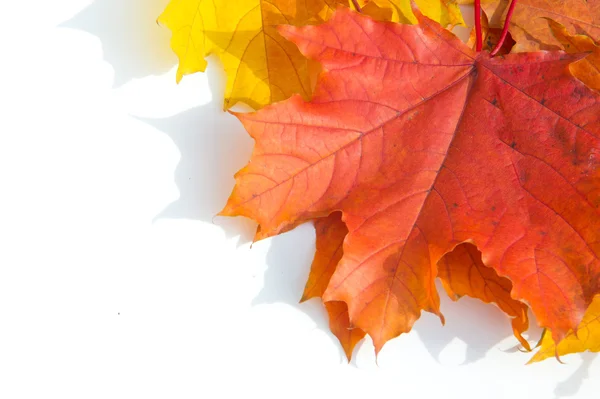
[331, 232]
[423, 144]
[529, 22]
[588, 69]
[463, 273]
[585, 338]
[261, 66]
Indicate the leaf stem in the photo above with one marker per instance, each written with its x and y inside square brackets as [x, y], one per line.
[478, 32]
[504, 29]
[356, 5]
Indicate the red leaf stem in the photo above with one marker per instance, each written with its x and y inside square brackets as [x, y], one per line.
[478, 32]
[504, 29]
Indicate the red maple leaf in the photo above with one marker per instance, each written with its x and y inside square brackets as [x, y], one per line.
[424, 144]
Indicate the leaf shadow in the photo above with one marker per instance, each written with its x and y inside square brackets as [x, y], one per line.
[571, 386]
[132, 42]
[213, 146]
[481, 326]
[289, 258]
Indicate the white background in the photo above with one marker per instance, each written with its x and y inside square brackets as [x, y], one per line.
[116, 279]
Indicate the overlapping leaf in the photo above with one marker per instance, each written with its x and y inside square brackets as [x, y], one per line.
[331, 232]
[529, 23]
[261, 66]
[585, 338]
[423, 145]
[463, 273]
[588, 69]
[446, 12]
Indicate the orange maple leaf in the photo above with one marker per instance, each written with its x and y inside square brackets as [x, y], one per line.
[588, 69]
[423, 144]
[529, 22]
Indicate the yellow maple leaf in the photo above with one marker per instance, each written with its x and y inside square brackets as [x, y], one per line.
[261, 66]
[587, 337]
[446, 12]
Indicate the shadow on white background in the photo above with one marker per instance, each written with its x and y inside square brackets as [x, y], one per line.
[131, 41]
[213, 145]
